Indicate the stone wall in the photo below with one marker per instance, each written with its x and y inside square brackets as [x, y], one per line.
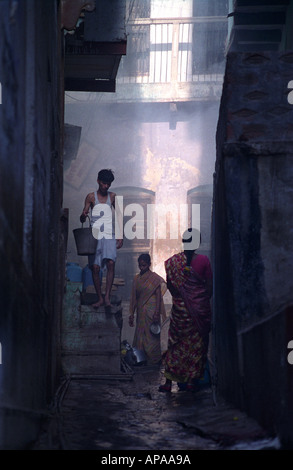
[253, 198]
[31, 241]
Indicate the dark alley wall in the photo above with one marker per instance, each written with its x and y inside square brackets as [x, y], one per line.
[31, 240]
[252, 238]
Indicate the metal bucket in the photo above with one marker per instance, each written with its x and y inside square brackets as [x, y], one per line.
[86, 243]
[139, 356]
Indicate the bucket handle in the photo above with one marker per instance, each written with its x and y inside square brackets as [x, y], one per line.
[87, 217]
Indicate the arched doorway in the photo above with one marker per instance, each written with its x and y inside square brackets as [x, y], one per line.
[126, 264]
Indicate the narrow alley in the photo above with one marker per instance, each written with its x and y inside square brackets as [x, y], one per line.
[131, 414]
[110, 407]
[188, 105]
[106, 403]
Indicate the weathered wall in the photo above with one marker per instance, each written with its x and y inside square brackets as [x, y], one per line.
[30, 211]
[252, 240]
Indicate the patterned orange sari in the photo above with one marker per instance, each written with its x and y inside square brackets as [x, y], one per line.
[143, 300]
[190, 321]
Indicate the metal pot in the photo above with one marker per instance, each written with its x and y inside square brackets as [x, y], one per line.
[139, 355]
[155, 328]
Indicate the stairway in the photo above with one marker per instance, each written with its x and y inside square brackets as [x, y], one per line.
[259, 25]
[90, 339]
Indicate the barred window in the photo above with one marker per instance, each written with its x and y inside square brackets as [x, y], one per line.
[137, 59]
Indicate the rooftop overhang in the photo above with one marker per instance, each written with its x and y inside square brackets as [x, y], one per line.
[93, 50]
[93, 66]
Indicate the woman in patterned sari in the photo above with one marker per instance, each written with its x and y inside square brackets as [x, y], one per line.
[189, 280]
[148, 289]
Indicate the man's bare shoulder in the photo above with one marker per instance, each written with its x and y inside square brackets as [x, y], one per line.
[112, 196]
[90, 197]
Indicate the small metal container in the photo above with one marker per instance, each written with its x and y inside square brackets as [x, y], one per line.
[155, 328]
[139, 355]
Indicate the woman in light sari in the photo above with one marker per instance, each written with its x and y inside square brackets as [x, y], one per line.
[189, 280]
[148, 289]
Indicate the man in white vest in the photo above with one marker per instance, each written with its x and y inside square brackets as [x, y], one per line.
[100, 204]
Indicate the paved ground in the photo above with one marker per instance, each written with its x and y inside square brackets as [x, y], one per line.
[131, 414]
[126, 413]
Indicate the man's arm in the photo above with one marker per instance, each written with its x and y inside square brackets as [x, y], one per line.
[87, 206]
